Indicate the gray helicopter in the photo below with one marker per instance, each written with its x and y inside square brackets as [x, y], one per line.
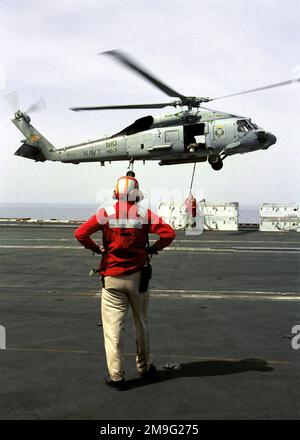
[193, 134]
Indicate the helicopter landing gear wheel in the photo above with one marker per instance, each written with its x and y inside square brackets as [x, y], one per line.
[217, 166]
[216, 162]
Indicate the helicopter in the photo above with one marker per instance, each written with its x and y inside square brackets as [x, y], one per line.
[192, 134]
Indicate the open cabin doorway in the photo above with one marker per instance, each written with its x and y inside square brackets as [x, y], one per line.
[194, 136]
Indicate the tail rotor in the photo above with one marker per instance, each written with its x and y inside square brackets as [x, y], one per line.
[13, 101]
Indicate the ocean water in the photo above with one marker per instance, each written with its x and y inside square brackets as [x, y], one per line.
[44, 211]
[68, 211]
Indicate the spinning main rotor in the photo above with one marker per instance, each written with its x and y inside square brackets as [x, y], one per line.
[189, 101]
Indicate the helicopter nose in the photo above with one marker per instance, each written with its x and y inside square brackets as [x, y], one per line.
[266, 139]
[272, 139]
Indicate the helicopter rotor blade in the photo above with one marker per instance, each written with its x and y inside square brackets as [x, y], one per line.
[4, 122]
[120, 107]
[124, 59]
[36, 106]
[270, 86]
[12, 100]
[218, 111]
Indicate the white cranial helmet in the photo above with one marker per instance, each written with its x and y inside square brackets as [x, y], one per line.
[127, 188]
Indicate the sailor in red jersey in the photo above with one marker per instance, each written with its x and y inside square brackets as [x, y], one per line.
[125, 252]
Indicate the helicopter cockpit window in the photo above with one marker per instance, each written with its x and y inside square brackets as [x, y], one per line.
[255, 126]
[244, 126]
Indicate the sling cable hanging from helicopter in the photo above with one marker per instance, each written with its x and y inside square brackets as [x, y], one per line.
[190, 203]
[192, 180]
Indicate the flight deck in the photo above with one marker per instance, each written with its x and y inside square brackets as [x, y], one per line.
[221, 314]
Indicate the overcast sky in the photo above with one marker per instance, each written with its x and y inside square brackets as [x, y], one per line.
[49, 49]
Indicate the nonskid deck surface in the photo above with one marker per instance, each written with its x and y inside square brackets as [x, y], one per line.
[223, 305]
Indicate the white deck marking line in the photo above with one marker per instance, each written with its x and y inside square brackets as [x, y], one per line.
[40, 225]
[222, 294]
[226, 294]
[37, 239]
[257, 292]
[175, 356]
[55, 289]
[172, 249]
[232, 296]
[176, 240]
[232, 241]
[4, 246]
[174, 293]
[232, 249]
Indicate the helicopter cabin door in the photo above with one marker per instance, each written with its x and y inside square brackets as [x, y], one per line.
[194, 134]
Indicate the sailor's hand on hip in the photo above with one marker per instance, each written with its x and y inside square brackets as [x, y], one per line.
[100, 250]
[151, 250]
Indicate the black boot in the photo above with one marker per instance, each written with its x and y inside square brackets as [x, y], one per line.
[119, 385]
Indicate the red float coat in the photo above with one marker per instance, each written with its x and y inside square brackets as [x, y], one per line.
[125, 229]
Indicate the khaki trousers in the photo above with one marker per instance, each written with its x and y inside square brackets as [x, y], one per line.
[118, 294]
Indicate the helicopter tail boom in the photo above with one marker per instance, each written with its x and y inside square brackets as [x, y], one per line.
[35, 146]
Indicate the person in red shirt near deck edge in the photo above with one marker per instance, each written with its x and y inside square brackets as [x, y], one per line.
[125, 228]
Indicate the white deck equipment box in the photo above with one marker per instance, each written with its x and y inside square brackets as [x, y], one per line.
[280, 217]
[221, 216]
[210, 216]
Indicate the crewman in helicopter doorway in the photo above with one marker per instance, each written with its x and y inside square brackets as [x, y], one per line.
[125, 271]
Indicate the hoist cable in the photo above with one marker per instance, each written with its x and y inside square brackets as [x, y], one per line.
[192, 181]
